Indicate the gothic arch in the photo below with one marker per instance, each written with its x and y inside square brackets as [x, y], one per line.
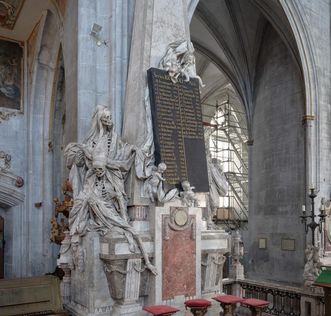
[293, 12]
[39, 152]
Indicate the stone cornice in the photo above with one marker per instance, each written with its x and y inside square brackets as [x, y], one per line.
[10, 184]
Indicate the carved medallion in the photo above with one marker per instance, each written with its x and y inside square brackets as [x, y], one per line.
[181, 217]
[178, 253]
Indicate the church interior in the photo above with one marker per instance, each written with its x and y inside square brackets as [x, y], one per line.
[166, 157]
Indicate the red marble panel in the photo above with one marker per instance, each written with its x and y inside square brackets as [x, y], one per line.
[178, 264]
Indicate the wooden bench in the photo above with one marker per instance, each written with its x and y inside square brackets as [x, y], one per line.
[31, 296]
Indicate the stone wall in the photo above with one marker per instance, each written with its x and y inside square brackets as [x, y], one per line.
[277, 165]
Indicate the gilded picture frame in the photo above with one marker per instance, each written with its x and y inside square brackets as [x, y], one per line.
[11, 75]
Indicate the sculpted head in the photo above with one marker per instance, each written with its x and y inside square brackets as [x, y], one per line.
[106, 118]
[101, 122]
[99, 170]
[162, 167]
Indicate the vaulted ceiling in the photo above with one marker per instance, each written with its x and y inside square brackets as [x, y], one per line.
[227, 35]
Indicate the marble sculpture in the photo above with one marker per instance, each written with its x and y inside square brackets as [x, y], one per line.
[98, 168]
[155, 187]
[180, 60]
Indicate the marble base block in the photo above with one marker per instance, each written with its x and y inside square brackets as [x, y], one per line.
[127, 309]
[127, 275]
[177, 237]
[89, 288]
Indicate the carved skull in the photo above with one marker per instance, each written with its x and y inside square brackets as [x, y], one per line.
[106, 118]
[99, 171]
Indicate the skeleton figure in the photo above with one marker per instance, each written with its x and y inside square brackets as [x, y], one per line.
[98, 170]
[119, 157]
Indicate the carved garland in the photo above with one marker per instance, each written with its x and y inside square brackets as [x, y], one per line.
[136, 266]
[218, 260]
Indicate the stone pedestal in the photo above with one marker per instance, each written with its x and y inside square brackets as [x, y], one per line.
[184, 253]
[89, 288]
[309, 305]
[127, 276]
[236, 268]
[214, 245]
[176, 230]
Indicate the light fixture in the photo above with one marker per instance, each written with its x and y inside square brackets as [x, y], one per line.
[95, 33]
[313, 224]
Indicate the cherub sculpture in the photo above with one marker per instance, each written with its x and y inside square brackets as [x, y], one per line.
[155, 187]
[188, 196]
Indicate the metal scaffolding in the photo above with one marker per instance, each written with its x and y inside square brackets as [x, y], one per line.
[228, 144]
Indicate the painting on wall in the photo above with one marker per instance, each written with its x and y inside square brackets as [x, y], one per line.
[9, 12]
[11, 74]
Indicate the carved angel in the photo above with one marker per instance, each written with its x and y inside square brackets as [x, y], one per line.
[179, 60]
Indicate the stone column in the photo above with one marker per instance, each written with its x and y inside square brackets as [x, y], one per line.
[236, 268]
[121, 24]
[156, 24]
[237, 252]
[93, 61]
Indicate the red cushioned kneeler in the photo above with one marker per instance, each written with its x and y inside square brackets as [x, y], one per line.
[198, 306]
[256, 306]
[255, 302]
[197, 303]
[228, 303]
[228, 299]
[159, 310]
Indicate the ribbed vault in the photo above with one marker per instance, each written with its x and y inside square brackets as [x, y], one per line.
[227, 36]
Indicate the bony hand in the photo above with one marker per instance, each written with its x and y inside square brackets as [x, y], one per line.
[79, 158]
[151, 268]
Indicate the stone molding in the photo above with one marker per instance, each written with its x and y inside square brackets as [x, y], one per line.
[10, 194]
[170, 221]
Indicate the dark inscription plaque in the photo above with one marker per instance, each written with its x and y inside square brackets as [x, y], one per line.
[178, 131]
